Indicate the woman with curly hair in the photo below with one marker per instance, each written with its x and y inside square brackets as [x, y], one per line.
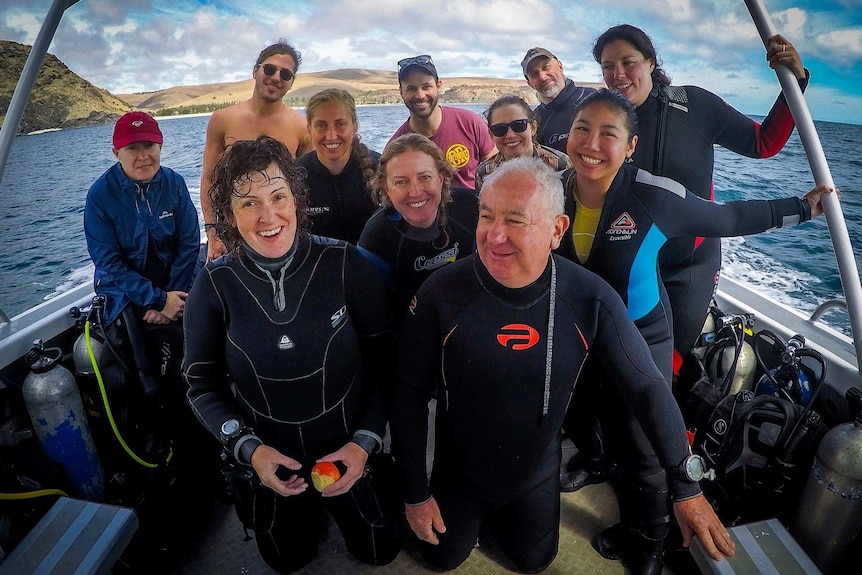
[288, 342]
[339, 169]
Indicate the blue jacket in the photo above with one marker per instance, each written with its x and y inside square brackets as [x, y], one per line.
[123, 221]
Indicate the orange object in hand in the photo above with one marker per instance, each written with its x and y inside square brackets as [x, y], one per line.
[324, 474]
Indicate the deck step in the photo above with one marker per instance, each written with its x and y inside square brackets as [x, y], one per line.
[74, 536]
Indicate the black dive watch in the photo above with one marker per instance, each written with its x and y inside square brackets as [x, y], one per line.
[694, 469]
[239, 440]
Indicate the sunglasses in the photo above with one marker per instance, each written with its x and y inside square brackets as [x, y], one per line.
[422, 60]
[270, 69]
[517, 126]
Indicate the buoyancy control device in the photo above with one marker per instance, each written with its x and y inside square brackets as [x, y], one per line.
[829, 516]
[59, 420]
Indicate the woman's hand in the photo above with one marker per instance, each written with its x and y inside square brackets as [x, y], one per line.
[780, 52]
[354, 458]
[266, 461]
[815, 196]
[174, 305]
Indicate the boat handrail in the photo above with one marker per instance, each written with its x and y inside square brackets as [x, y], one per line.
[27, 80]
[820, 169]
[836, 303]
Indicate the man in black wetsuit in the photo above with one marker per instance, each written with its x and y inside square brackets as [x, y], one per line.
[558, 97]
[481, 333]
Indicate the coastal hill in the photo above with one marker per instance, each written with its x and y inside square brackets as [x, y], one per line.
[366, 87]
[60, 98]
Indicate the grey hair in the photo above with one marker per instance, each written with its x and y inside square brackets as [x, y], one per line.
[548, 181]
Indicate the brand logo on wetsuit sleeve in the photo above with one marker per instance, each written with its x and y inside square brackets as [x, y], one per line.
[285, 343]
[166, 214]
[338, 317]
[518, 336]
[623, 228]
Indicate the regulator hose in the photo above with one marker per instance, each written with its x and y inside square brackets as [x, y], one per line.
[108, 411]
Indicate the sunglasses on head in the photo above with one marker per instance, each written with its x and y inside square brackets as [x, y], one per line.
[270, 70]
[415, 61]
[517, 126]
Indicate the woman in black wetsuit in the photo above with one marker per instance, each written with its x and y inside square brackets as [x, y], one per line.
[289, 346]
[339, 169]
[423, 224]
[621, 217]
[677, 129]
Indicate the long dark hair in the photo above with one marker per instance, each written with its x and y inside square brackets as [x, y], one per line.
[237, 164]
[642, 43]
[358, 150]
[616, 101]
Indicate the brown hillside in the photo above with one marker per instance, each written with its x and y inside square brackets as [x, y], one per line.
[60, 98]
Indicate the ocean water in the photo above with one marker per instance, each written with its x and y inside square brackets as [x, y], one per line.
[43, 251]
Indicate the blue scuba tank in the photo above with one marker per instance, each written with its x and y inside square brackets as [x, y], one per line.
[60, 422]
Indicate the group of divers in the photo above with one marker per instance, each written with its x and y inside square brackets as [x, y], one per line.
[487, 265]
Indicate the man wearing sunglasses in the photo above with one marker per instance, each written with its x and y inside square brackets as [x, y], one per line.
[558, 97]
[264, 113]
[461, 134]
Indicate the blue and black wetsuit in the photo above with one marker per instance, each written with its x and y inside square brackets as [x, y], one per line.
[640, 214]
[677, 129]
[407, 255]
[308, 351]
[338, 204]
[506, 362]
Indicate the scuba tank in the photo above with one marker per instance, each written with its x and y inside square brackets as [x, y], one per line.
[59, 420]
[729, 359]
[829, 515]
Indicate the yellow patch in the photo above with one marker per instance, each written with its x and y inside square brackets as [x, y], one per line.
[458, 155]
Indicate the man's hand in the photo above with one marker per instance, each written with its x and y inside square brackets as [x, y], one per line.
[215, 247]
[354, 458]
[174, 305]
[266, 460]
[424, 520]
[696, 516]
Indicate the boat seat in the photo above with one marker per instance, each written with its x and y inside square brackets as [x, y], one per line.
[74, 536]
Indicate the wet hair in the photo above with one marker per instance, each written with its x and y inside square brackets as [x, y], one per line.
[241, 161]
[547, 180]
[413, 142]
[642, 43]
[510, 100]
[615, 101]
[280, 47]
[358, 151]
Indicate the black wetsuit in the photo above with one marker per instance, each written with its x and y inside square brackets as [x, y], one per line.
[407, 255]
[677, 129]
[640, 213]
[306, 379]
[338, 205]
[556, 117]
[499, 411]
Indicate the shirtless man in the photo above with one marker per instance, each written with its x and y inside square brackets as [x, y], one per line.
[263, 113]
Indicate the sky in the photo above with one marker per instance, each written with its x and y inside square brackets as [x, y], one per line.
[146, 45]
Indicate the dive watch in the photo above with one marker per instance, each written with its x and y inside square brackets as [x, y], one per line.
[694, 468]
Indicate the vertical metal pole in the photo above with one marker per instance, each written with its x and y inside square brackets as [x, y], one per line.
[817, 159]
[28, 78]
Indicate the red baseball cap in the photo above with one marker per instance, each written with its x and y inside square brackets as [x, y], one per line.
[136, 127]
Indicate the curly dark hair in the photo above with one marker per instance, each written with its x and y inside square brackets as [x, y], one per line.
[358, 151]
[280, 47]
[237, 164]
[642, 43]
[413, 142]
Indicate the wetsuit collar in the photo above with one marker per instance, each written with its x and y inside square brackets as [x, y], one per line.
[428, 234]
[562, 99]
[520, 297]
[275, 270]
